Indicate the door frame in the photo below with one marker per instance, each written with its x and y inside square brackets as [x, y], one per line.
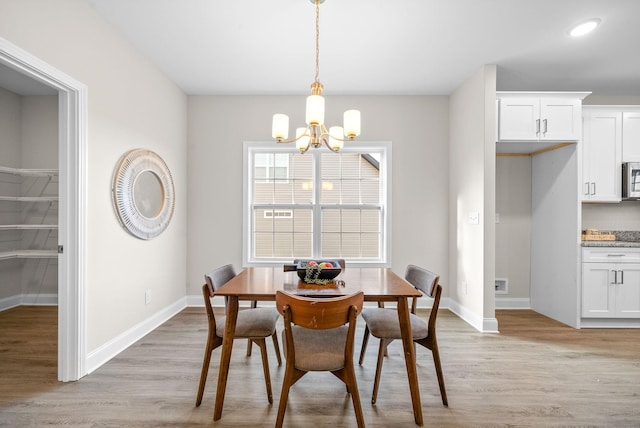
[72, 152]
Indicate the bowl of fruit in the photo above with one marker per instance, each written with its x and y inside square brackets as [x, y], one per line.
[318, 271]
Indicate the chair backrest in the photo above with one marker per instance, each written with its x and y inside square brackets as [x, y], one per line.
[319, 314]
[424, 280]
[219, 277]
[428, 283]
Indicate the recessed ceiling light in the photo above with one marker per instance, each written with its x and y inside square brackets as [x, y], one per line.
[585, 27]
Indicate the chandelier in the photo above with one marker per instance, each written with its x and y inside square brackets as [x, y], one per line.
[315, 133]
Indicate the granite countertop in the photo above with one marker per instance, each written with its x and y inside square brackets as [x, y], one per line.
[611, 244]
[624, 238]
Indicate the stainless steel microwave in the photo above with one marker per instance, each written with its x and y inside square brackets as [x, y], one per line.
[631, 180]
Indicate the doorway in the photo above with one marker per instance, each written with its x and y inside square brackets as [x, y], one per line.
[72, 141]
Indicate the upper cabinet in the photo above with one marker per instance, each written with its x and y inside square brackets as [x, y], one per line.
[601, 155]
[631, 135]
[538, 117]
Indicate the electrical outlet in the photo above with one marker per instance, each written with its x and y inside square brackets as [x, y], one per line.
[147, 297]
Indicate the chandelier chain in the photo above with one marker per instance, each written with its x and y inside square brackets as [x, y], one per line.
[317, 40]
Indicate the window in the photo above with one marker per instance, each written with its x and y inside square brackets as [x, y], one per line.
[271, 165]
[316, 205]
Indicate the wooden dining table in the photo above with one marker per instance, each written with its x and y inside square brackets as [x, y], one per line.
[261, 284]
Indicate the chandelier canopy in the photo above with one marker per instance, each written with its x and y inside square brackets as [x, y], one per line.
[315, 133]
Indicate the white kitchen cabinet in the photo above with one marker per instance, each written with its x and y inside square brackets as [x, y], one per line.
[601, 155]
[32, 205]
[611, 283]
[526, 116]
[631, 136]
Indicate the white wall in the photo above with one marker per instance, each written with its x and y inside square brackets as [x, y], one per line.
[416, 125]
[10, 130]
[611, 100]
[622, 216]
[131, 105]
[472, 190]
[513, 232]
[39, 149]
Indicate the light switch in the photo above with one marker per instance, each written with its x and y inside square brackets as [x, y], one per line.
[474, 217]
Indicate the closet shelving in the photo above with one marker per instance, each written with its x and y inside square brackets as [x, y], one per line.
[36, 211]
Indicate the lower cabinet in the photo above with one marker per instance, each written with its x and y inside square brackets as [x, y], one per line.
[611, 283]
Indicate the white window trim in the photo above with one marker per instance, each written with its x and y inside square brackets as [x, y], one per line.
[356, 147]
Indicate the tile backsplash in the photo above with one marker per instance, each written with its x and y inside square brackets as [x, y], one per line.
[622, 216]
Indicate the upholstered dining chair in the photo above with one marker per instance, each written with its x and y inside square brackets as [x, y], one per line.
[254, 324]
[318, 336]
[383, 323]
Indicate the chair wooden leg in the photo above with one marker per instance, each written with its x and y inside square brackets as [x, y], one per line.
[287, 382]
[365, 341]
[274, 336]
[262, 344]
[436, 361]
[352, 386]
[254, 304]
[211, 345]
[376, 381]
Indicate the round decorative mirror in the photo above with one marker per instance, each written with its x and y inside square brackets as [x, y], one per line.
[143, 193]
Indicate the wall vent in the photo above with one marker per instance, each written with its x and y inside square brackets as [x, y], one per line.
[502, 286]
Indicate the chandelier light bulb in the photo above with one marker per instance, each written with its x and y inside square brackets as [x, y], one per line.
[315, 110]
[336, 133]
[302, 139]
[280, 127]
[352, 123]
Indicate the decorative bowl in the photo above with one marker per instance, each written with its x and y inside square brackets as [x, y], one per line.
[318, 271]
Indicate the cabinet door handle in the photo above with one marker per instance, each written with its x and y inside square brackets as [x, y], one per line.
[586, 188]
[593, 192]
[615, 277]
[537, 126]
[621, 277]
[545, 126]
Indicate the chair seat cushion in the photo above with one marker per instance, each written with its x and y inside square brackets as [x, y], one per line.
[258, 322]
[318, 350]
[383, 323]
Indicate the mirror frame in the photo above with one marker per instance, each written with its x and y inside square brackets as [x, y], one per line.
[129, 167]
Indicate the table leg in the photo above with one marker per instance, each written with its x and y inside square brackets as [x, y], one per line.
[225, 357]
[410, 358]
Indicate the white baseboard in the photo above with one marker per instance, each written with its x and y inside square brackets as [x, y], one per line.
[100, 356]
[483, 325]
[28, 299]
[10, 302]
[513, 303]
[609, 323]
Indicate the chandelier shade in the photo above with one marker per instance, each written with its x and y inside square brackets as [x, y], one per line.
[315, 134]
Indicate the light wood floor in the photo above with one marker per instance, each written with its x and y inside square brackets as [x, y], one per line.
[535, 373]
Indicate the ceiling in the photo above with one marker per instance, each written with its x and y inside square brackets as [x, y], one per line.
[375, 47]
